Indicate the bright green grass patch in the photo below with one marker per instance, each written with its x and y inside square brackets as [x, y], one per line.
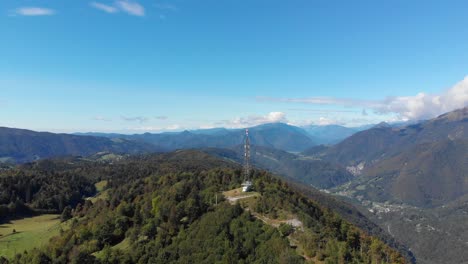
[102, 192]
[101, 195]
[31, 232]
[124, 245]
[100, 186]
[110, 157]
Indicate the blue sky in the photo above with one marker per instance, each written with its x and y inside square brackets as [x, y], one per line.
[148, 65]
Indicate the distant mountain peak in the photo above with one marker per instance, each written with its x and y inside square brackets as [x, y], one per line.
[271, 125]
[382, 125]
[456, 115]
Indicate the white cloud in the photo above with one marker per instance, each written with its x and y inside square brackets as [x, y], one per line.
[424, 106]
[103, 7]
[206, 126]
[127, 6]
[323, 111]
[140, 119]
[322, 101]
[323, 121]
[173, 127]
[254, 120]
[132, 8]
[34, 11]
[418, 107]
[273, 117]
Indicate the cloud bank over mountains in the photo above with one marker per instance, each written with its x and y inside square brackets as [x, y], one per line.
[355, 113]
[417, 107]
[424, 106]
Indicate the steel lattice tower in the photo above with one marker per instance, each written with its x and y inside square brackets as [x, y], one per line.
[247, 156]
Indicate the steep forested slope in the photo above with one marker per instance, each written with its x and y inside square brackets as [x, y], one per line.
[163, 209]
[426, 175]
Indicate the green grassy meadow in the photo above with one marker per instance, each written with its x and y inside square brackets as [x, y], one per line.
[30, 233]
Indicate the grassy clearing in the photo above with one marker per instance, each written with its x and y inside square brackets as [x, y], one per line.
[245, 198]
[110, 157]
[233, 193]
[100, 186]
[102, 192]
[101, 195]
[30, 233]
[237, 193]
[124, 246]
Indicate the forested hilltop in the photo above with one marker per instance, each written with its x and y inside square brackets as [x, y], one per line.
[169, 208]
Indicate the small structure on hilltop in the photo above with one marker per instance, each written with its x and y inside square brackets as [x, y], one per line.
[247, 184]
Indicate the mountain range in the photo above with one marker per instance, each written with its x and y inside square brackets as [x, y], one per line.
[413, 181]
[332, 134]
[274, 135]
[20, 145]
[383, 141]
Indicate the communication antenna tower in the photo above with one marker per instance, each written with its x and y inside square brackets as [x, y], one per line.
[246, 186]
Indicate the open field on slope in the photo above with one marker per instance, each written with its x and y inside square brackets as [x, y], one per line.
[102, 192]
[235, 195]
[31, 232]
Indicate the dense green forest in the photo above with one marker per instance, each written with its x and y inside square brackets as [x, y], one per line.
[37, 188]
[168, 208]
